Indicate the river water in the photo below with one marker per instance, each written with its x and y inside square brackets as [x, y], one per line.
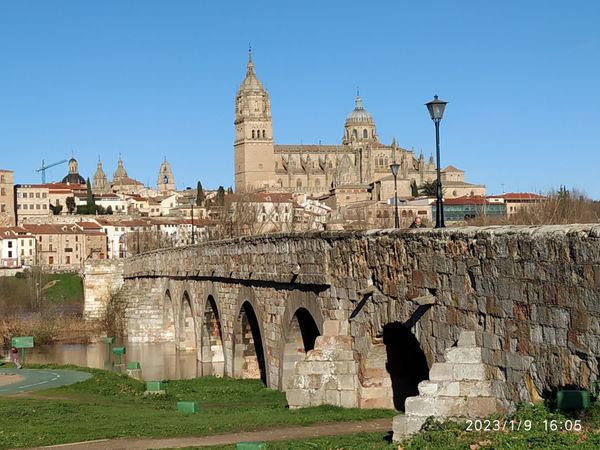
[159, 361]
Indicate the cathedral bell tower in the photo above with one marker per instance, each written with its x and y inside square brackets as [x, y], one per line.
[254, 153]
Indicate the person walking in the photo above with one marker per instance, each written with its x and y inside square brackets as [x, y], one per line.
[15, 357]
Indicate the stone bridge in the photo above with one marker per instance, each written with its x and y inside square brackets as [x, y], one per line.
[358, 319]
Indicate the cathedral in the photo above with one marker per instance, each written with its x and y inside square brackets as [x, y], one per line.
[360, 161]
[123, 184]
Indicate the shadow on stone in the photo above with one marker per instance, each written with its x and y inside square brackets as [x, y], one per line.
[406, 362]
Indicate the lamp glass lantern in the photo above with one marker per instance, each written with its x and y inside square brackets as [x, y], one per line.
[436, 108]
[395, 168]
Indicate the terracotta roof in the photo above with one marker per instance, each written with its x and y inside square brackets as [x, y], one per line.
[467, 200]
[516, 196]
[6, 232]
[452, 169]
[89, 226]
[53, 229]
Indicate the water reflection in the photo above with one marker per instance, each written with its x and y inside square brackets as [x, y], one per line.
[159, 361]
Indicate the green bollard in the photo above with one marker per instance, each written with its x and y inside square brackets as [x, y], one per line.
[119, 351]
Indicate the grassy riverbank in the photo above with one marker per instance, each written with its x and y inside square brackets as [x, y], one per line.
[46, 306]
[454, 436]
[32, 290]
[111, 405]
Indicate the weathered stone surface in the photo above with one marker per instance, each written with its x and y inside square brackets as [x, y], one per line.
[531, 296]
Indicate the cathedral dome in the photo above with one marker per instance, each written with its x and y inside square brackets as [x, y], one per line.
[359, 114]
[73, 176]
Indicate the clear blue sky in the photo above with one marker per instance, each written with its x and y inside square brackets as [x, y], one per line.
[149, 79]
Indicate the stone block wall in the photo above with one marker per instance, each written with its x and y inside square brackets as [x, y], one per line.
[101, 279]
[531, 293]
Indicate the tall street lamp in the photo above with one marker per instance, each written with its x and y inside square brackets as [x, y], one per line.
[395, 167]
[436, 111]
[193, 235]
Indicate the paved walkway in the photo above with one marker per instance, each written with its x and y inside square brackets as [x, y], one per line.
[279, 434]
[36, 379]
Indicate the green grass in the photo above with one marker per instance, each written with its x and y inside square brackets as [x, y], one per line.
[453, 436]
[18, 291]
[67, 289]
[111, 405]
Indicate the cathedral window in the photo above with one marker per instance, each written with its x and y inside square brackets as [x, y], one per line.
[365, 134]
[354, 133]
[299, 183]
[280, 182]
[253, 135]
[386, 161]
[264, 134]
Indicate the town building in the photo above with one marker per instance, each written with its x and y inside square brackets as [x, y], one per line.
[469, 207]
[9, 256]
[36, 202]
[66, 246]
[7, 199]
[516, 201]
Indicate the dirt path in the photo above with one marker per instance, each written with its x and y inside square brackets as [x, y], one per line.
[279, 434]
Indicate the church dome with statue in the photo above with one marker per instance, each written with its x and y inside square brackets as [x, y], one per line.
[73, 176]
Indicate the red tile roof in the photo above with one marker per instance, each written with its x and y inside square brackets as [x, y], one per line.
[467, 200]
[519, 196]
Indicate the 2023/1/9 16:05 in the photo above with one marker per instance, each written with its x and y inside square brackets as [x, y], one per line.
[522, 425]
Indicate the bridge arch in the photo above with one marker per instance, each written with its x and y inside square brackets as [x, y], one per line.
[187, 324]
[406, 362]
[212, 352]
[300, 336]
[249, 360]
[301, 324]
[168, 315]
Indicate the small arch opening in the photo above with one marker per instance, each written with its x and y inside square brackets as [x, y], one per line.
[212, 355]
[187, 325]
[168, 327]
[300, 339]
[406, 362]
[249, 358]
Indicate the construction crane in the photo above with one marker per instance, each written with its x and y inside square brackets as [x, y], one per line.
[44, 167]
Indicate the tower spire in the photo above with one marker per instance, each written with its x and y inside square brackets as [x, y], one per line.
[249, 52]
